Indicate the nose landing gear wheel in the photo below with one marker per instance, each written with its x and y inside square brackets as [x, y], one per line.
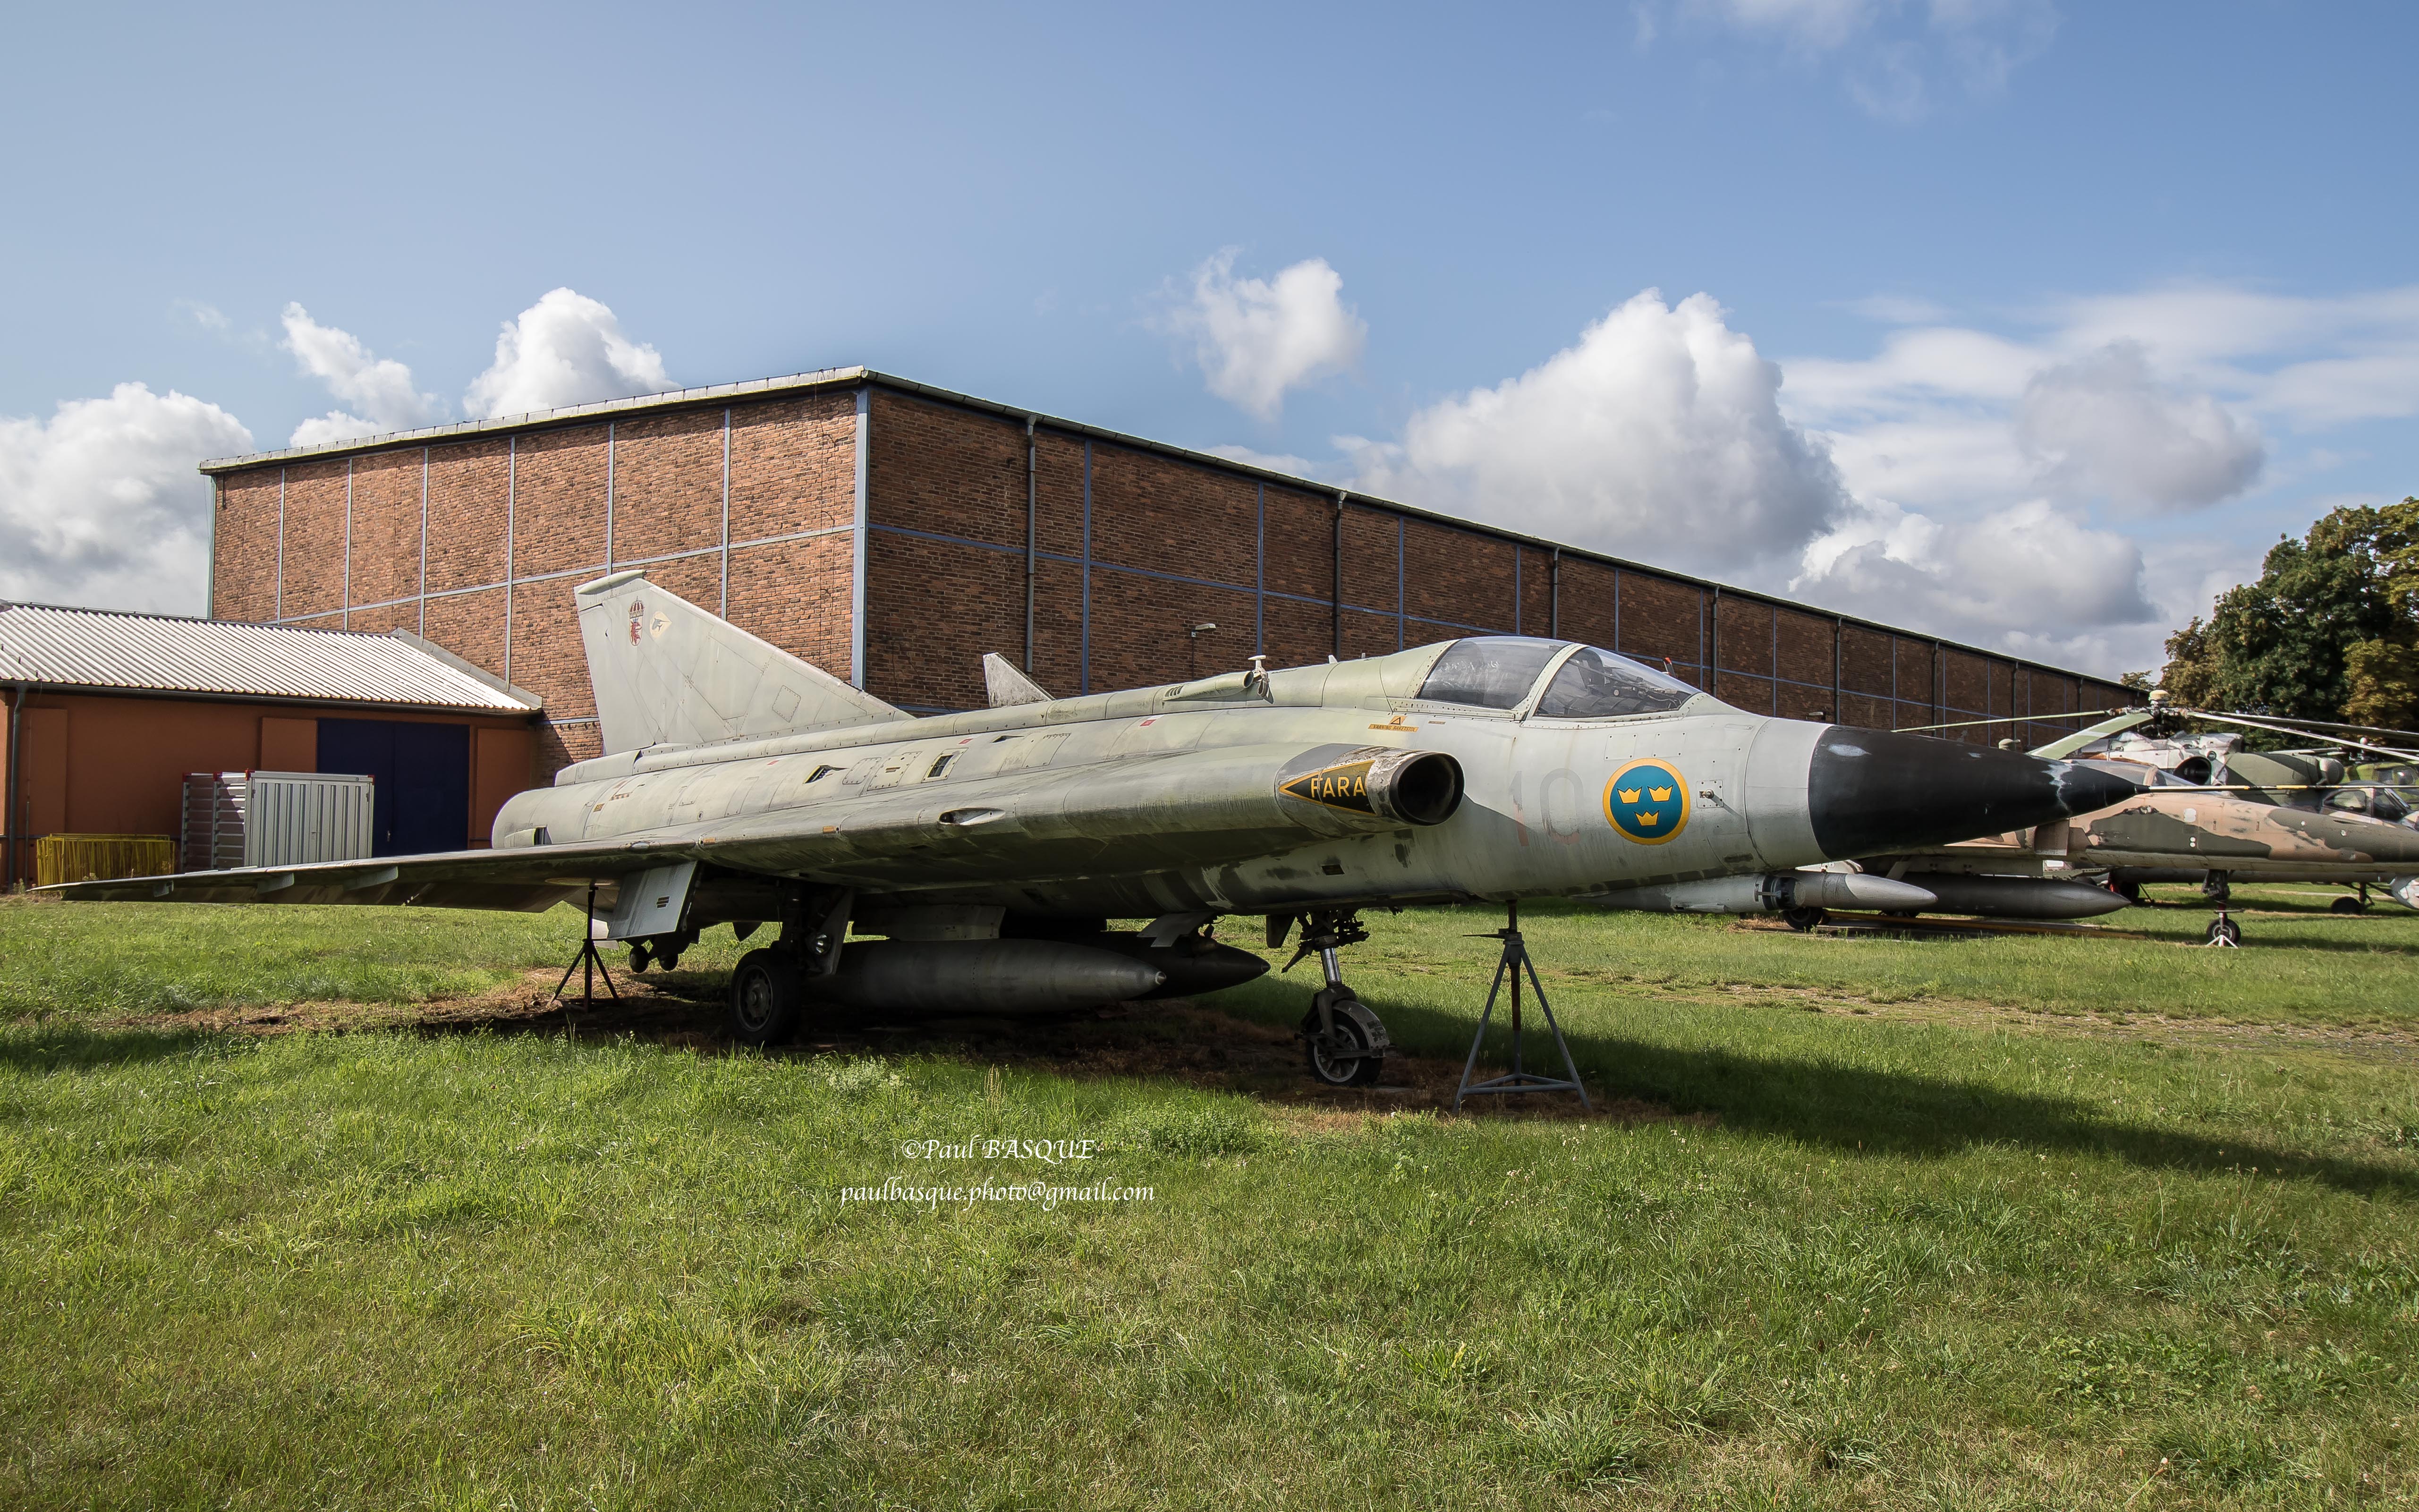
[1343, 1043]
[767, 998]
[1349, 1054]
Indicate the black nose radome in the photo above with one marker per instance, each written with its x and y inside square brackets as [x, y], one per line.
[1871, 792]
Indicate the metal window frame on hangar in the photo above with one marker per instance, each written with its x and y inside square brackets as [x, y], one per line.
[893, 532]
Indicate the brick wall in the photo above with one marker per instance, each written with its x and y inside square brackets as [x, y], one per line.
[477, 544]
[1131, 549]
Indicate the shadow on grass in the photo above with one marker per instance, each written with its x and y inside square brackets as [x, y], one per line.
[48, 1047]
[1853, 1108]
[1846, 1108]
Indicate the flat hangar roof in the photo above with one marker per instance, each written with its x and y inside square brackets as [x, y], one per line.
[110, 651]
[825, 379]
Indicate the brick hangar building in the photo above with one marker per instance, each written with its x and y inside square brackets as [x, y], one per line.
[892, 533]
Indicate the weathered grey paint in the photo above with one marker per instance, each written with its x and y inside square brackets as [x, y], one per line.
[1189, 799]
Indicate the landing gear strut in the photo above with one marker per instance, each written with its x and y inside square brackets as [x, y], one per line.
[768, 991]
[2223, 931]
[1343, 1043]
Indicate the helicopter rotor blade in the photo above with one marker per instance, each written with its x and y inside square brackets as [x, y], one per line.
[2287, 729]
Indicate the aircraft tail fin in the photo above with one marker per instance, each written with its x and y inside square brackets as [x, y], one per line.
[667, 673]
[1006, 685]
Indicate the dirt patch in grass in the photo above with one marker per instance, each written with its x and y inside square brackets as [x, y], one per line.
[1178, 1040]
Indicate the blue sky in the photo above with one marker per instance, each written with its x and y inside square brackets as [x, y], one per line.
[2027, 323]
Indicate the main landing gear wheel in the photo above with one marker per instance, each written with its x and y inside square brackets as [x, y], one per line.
[2348, 904]
[2129, 891]
[1353, 1052]
[2223, 931]
[640, 957]
[1802, 920]
[767, 998]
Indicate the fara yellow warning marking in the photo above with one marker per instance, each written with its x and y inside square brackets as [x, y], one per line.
[1345, 785]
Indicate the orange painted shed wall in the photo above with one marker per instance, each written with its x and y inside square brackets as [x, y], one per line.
[100, 765]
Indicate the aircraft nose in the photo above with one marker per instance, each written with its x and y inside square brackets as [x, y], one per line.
[1870, 791]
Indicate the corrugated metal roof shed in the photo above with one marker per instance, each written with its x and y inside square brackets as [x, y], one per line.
[85, 648]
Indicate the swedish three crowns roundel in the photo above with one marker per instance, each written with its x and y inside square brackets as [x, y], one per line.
[1647, 800]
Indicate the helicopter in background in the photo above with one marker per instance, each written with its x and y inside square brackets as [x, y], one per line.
[2209, 811]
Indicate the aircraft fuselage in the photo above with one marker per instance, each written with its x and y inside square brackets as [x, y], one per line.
[1710, 791]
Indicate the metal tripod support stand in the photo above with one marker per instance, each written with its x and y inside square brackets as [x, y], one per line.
[587, 963]
[1515, 963]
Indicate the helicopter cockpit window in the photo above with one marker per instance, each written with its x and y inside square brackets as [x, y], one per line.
[1491, 671]
[2384, 803]
[1597, 685]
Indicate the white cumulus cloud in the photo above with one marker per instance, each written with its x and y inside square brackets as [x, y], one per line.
[1256, 338]
[2164, 401]
[2169, 398]
[100, 505]
[378, 390]
[2031, 578]
[1657, 436]
[565, 349]
[2106, 423]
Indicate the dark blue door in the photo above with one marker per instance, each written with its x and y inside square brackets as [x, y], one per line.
[423, 779]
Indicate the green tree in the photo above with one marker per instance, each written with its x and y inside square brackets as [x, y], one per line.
[2382, 674]
[2285, 642]
[2191, 677]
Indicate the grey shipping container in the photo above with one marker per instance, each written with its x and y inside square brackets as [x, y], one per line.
[276, 818]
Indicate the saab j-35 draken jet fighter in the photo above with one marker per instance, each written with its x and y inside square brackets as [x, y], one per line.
[741, 785]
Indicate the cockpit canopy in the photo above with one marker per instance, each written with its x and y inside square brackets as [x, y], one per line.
[2377, 803]
[1497, 672]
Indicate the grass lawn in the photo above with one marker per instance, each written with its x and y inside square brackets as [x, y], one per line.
[2008, 1223]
